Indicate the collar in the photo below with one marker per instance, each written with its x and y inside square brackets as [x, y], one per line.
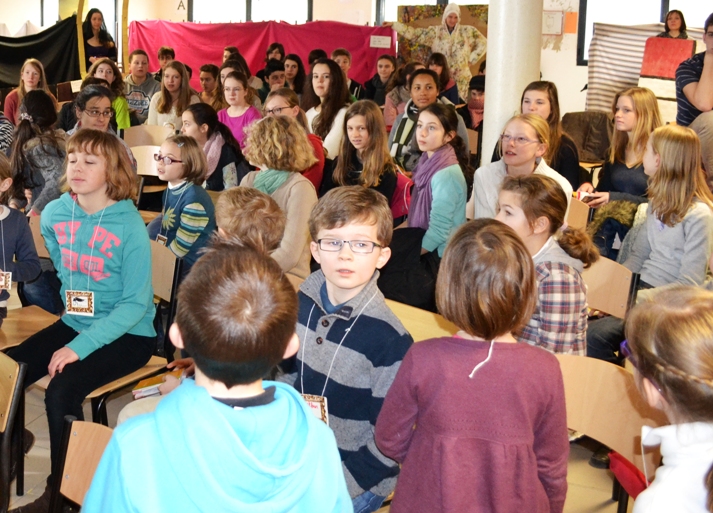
[544, 248]
[312, 286]
[175, 188]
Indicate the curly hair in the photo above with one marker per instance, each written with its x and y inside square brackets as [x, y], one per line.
[280, 143]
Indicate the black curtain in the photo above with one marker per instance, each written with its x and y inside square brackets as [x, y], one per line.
[55, 48]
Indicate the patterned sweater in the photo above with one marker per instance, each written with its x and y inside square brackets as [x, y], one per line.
[187, 221]
[373, 343]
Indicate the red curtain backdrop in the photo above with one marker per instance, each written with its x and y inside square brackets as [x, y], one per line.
[197, 43]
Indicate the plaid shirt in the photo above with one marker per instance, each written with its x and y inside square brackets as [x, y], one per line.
[559, 323]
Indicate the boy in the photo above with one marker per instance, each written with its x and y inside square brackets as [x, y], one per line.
[209, 82]
[343, 58]
[352, 344]
[245, 444]
[165, 55]
[139, 87]
[274, 78]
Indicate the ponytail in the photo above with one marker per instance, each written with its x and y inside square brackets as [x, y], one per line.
[578, 244]
[463, 159]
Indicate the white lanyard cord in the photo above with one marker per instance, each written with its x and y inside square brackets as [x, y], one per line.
[2, 231]
[490, 353]
[91, 244]
[163, 211]
[346, 332]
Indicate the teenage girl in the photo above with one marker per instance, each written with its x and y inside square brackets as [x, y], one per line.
[325, 101]
[523, 145]
[187, 219]
[32, 76]
[535, 206]
[670, 343]
[239, 114]
[376, 87]
[448, 88]
[274, 51]
[226, 166]
[98, 243]
[364, 159]
[295, 73]
[278, 145]
[98, 43]
[175, 96]
[285, 102]
[496, 417]
[107, 69]
[397, 91]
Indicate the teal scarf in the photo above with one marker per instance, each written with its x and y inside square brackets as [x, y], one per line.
[269, 180]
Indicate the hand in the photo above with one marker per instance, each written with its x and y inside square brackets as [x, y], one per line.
[92, 59]
[60, 358]
[188, 364]
[170, 383]
[387, 24]
[597, 199]
[586, 187]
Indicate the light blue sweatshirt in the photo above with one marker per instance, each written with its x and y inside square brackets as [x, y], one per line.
[449, 192]
[117, 269]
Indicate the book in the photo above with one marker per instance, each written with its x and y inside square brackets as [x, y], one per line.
[149, 387]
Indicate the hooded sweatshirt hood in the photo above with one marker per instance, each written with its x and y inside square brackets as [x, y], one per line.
[451, 9]
[552, 252]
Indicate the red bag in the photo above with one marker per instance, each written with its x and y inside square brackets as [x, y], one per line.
[401, 200]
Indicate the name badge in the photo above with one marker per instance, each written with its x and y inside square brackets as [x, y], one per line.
[5, 281]
[80, 302]
[318, 406]
[161, 239]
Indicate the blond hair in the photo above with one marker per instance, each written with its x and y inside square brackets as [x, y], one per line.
[279, 143]
[538, 124]
[648, 118]
[165, 102]
[194, 160]
[42, 84]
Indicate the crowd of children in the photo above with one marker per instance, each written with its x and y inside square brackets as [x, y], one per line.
[285, 194]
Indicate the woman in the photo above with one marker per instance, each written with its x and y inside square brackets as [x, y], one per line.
[106, 69]
[98, 42]
[274, 51]
[675, 26]
[295, 73]
[32, 76]
[175, 96]
[448, 89]
[397, 91]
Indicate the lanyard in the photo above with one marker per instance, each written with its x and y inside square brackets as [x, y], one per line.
[91, 252]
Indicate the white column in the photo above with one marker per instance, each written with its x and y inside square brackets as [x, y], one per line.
[514, 46]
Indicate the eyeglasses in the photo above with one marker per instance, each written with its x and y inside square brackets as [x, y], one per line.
[362, 247]
[167, 161]
[276, 111]
[97, 113]
[519, 141]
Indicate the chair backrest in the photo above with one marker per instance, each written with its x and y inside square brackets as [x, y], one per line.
[604, 403]
[146, 135]
[591, 131]
[578, 215]
[473, 141]
[145, 163]
[37, 237]
[10, 386]
[421, 324]
[611, 287]
[164, 271]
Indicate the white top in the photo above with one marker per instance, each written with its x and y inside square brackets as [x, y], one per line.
[333, 142]
[687, 451]
[156, 118]
[488, 180]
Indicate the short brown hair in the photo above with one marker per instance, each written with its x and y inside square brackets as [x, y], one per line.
[280, 143]
[236, 313]
[353, 204]
[194, 161]
[121, 182]
[341, 52]
[252, 217]
[486, 283]
[166, 51]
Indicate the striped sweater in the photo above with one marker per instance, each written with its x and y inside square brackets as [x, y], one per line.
[361, 373]
[187, 221]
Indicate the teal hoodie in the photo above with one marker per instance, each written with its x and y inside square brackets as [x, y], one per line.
[118, 270]
[197, 454]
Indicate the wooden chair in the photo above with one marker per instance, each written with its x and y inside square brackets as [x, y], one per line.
[12, 424]
[611, 287]
[473, 141]
[145, 135]
[146, 167]
[83, 445]
[21, 323]
[421, 324]
[578, 214]
[37, 237]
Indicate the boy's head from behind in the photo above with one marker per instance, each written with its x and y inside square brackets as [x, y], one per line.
[236, 314]
[361, 216]
[251, 217]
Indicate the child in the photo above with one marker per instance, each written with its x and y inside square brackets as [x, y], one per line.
[325, 101]
[209, 83]
[32, 76]
[669, 343]
[239, 114]
[251, 444]
[448, 88]
[274, 78]
[376, 87]
[294, 73]
[397, 92]
[352, 344]
[140, 85]
[275, 51]
[534, 206]
[175, 96]
[343, 58]
[165, 55]
[187, 219]
[477, 421]
[107, 69]
[19, 258]
[95, 234]
[279, 147]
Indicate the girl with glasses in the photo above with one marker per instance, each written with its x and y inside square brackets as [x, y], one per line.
[107, 69]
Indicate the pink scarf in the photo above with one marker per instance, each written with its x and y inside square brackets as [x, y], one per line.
[212, 149]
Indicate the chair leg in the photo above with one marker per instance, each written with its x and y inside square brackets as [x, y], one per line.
[99, 414]
[56, 499]
[19, 435]
[623, 500]
[616, 487]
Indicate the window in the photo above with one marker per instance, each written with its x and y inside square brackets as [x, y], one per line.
[694, 11]
[391, 7]
[291, 11]
[213, 11]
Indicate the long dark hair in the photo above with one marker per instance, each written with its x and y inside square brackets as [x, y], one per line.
[87, 32]
[445, 75]
[448, 118]
[337, 97]
[299, 83]
[401, 76]
[553, 120]
[204, 114]
[272, 48]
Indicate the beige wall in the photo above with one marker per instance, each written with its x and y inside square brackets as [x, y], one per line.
[14, 13]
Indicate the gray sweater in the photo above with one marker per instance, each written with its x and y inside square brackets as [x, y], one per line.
[674, 254]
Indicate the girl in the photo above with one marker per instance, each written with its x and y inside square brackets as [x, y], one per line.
[535, 206]
[187, 219]
[175, 96]
[447, 86]
[279, 147]
[376, 87]
[669, 343]
[365, 158]
[240, 114]
[295, 73]
[274, 51]
[675, 26]
[523, 144]
[94, 235]
[496, 418]
[226, 166]
[284, 102]
[32, 76]
[107, 69]
[325, 101]
[98, 43]
[237, 63]
[19, 258]
[397, 91]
